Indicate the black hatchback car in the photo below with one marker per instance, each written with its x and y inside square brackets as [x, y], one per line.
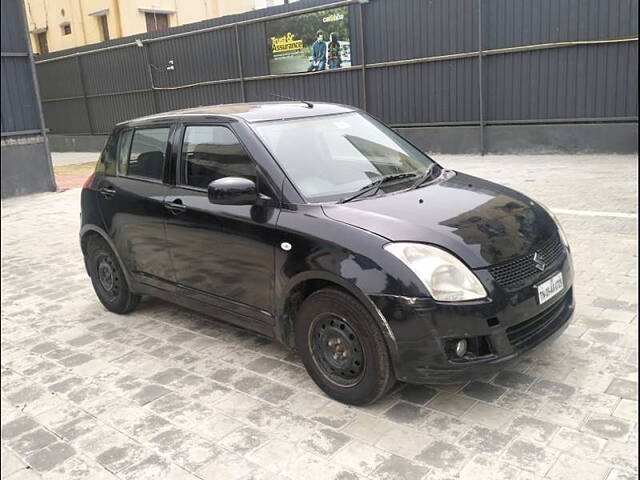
[316, 225]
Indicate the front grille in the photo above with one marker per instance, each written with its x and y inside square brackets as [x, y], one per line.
[533, 331]
[522, 271]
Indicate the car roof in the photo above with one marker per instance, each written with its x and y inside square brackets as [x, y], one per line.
[249, 112]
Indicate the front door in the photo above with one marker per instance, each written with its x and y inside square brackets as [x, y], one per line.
[132, 205]
[222, 254]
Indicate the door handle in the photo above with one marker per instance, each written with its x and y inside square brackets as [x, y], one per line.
[176, 207]
[107, 192]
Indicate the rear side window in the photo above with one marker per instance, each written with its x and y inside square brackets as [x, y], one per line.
[107, 162]
[123, 151]
[147, 153]
[213, 152]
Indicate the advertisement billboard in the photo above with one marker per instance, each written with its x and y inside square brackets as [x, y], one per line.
[309, 42]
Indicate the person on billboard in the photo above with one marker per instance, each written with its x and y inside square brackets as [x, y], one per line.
[333, 56]
[318, 53]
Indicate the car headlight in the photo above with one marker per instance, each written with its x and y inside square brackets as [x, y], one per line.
[446, 278]
[561, 232]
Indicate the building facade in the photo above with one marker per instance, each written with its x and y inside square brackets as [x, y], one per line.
[59, 24]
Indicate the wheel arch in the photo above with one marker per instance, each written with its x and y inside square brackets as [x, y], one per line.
[91, 231]
[306, 283]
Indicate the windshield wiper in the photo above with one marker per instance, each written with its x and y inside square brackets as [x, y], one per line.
[425, 176]
[376, 184]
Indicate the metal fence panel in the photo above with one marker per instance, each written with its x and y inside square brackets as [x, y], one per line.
[523, 22]
[403, 29]
[60, 79]
[590, 81]
[198, 96]
[112, 71]
[340, 87]
[105, 112]
[403, 83]
[68, 116]
[197, 58]
[438, 92]
[20, 109]
[12, 33]
[26, 160]
[253, 49]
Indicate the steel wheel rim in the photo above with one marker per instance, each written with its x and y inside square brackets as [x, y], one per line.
[108, 276]
[336, 350]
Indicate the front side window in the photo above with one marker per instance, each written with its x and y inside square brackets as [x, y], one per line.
[147, 153]
[213, 152]
[330, 157]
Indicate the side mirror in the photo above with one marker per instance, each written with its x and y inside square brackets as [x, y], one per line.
[233, 191]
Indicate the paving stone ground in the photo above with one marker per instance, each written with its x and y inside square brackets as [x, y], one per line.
[167, 393]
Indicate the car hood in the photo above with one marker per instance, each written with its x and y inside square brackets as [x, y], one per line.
[481, 222]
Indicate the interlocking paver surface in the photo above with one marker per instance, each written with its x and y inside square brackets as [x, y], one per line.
[168, 393]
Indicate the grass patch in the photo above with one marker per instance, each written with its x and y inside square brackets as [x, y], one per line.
[72, 176]
[75, 169]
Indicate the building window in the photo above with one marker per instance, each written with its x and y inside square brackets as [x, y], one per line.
[43, 46]
[156, 21]
[66, 29]
[104, 27]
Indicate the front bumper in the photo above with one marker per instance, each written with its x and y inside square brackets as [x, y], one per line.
[498, 330]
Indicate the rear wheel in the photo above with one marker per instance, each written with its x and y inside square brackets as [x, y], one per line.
[108, 279]
[342, 348]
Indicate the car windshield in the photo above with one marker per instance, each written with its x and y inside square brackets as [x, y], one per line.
[333, 157]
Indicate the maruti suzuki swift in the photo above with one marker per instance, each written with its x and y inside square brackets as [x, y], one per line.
[318, 226]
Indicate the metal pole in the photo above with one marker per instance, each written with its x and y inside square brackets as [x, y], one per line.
[480, 88]
[84, 96]
[36, 87]
[240, 71]
[362, 59]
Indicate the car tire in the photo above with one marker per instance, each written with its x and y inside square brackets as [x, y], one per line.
[342, 348]
[108, 279]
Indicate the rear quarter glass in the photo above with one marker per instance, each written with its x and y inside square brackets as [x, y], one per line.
[107, 161]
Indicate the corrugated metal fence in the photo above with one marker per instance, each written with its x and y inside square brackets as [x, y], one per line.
[426, 62]
[20, 107]
[25, 166]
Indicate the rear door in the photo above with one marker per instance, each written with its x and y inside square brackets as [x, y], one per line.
[222, 254]
[132, 204]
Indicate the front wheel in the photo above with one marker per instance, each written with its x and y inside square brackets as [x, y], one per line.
[342, 348]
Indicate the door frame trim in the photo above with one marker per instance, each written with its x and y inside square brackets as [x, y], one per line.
[234, 306]
[178, 143]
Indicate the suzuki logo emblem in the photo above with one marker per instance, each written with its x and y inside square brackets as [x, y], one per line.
[537, 259]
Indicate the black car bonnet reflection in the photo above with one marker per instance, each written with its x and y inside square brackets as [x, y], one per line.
[482, 222]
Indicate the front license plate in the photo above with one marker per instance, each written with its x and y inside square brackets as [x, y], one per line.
[550, 288]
